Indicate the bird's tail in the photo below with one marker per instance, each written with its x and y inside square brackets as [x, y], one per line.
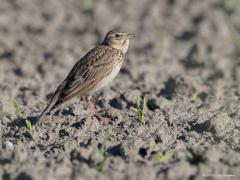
[49, 107]
[52, 105]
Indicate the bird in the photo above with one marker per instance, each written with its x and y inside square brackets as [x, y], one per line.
[92, 72]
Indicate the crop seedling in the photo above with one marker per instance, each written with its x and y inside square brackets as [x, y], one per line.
[100, 165]
[18, 111]
[230, 5]
[140, 110]
[159, 159]
[160, 46]
[193, 157]
[87, 5]
[194, 97]
[234, 37]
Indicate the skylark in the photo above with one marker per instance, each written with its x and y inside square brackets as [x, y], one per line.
[92, 72]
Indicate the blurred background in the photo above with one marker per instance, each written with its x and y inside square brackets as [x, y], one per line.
[185, 58]
[42, 37]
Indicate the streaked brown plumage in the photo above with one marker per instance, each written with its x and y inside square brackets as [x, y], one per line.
[93, 71]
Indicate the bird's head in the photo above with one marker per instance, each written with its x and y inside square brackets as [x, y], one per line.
[118, 40]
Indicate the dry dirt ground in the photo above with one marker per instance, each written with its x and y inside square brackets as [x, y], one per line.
[185, 60]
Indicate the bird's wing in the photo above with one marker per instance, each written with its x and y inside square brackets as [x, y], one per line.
[89, 71]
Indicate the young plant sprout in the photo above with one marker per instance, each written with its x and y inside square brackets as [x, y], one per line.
[18, 111]
[140, 110]
[100, 165]
[159, 159]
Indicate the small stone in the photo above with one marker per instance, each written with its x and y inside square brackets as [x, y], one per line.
[8, 145]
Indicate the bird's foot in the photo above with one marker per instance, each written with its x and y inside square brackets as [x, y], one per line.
[101, 119]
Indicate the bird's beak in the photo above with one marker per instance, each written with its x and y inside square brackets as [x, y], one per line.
[130, 35]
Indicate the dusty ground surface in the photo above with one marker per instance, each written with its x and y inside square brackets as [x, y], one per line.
[185, 60]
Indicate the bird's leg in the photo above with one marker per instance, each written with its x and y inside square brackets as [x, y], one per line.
[92, 107]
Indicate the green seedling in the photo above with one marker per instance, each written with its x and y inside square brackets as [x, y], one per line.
[193, 157]
[141, 108]
[87, 5]
[194, 97]
[189, 155]
[230, 5]
[101, 164]
[159, 159]
[18, 111]
[234, 37]
[157, 59]
[160, 47]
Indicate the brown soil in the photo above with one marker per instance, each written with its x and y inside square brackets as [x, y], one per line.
[185, 60]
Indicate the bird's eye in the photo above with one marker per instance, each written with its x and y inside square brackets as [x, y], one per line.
[117, 35]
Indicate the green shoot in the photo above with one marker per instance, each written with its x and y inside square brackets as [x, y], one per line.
[140, 110]
[87, 5]
[192, 157]
[101, 164]
[18, 111]
[157, 59]
[234, 37]
[158, 159]
[230, 5]
[194, 97]
[189, 155]
[160, 46]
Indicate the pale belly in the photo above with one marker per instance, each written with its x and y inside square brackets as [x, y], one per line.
[107, 79]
